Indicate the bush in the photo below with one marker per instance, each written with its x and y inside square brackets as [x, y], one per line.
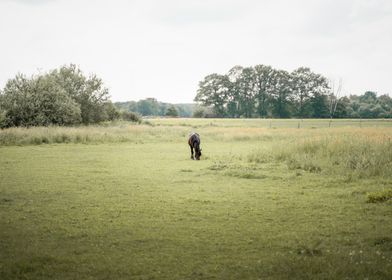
[130, 116]
[172, 111]
[59, 97]
[2, 119]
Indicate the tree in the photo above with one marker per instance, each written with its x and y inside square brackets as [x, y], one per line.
[386, 103]
[52, 105]
[342, 108]
[234, 90]
[281, 94]
[111, 111]
[247, 92]
[148, 107]
[172, 111]
[369, 106]
[265, 86]
[319, 103]
[2, 111]
[213, 91]
[88, 92]
[37, 101]
[264, 91]
[306, 85]
[369, 97]
[63, 97]
[157, 109]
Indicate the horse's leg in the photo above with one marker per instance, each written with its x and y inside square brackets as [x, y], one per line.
[191, 151]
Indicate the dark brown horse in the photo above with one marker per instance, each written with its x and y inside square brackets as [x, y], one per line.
[194, 143]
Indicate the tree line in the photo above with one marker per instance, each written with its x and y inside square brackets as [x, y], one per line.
[66, 96]
[262, 91]
[153, 107]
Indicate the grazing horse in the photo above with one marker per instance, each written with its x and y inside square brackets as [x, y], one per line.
[194, 143]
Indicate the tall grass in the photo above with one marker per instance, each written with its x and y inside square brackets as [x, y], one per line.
[366, 152]
[83, 134]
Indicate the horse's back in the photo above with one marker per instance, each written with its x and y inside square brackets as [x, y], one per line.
[194, 137]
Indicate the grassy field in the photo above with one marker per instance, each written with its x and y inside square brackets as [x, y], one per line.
[267, 201]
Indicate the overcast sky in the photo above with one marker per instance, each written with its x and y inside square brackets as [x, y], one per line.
[162, 49]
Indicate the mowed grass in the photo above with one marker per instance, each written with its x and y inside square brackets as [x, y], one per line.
[263, 203]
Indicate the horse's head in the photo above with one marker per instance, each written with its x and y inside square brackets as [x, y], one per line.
[197, 153]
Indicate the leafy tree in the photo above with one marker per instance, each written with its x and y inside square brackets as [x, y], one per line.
[386, 103]
[185, 109]
[241, 91]
[319, 103]
[52, 105]
[154, 107]
[88, 92]
[38, 101]
[368, 97]
[306, 85]
[369, 106]
[133, 107]
[281, 94]
[148, 107]
[63, 97]
[264, 91]
[2, 111]
[247, 92]
[162, 108]
[343, 108]
[366, 110]
[213, 91]
[111, 111]
[234, 91]
[265, 87]
[172, 111]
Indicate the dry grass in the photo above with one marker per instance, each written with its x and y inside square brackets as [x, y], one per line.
[83, 134]
[362, 152]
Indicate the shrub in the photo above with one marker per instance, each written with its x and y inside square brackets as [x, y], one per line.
[63, 96]
[2, 119]
[172, 111]
[130, 116]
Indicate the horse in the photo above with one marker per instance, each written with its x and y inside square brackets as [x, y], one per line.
[194, 143]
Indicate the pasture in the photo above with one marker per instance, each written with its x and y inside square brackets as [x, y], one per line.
[266, 201]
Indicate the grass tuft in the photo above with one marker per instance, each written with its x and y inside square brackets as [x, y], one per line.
[380, 196]
[353, 153]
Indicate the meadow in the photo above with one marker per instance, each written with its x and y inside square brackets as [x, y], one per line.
[269, 199]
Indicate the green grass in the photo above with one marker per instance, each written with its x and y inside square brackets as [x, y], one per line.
[380, 196]
[261, 204]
